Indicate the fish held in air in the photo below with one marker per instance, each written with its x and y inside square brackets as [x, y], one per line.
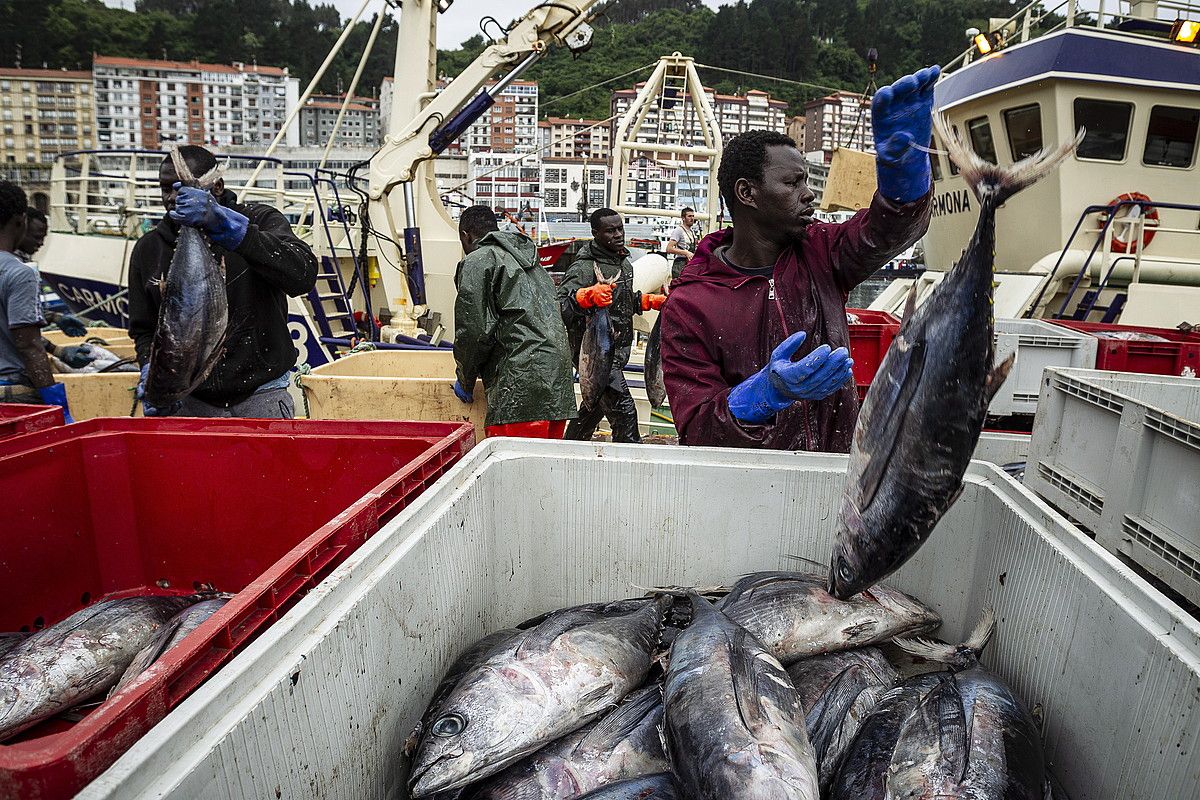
[837, 692]
[193, 315]
[78, 659]
[626, 743]
[597, 351]
[925, 409]
[734, 724]
[545, 683]
[656, 385]
[795, 617]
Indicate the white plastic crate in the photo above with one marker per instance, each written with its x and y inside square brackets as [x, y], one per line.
[320, 704]
[1120, 453]
[1038, 345]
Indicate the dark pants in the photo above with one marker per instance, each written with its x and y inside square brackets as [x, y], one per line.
[616, 404]
[19, 393]
[271, 404]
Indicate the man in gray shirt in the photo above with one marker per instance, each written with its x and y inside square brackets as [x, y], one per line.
[25, 375]
[681, 242]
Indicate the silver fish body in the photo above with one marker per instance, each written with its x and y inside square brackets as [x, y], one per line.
[923, 414]
[969, 738]
[547, 682]
[656, 385]
[78, 659]
[794, 615]
[734, 724]
[648, 787]
[837, 692]
[167, 637]
[625, 743]
[596, 354]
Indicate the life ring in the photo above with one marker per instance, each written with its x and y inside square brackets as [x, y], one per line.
[1130, 212]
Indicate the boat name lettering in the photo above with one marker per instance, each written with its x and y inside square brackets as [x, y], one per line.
[951, 202]
[88, 297]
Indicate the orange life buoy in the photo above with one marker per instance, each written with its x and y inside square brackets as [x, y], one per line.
[1120, 244]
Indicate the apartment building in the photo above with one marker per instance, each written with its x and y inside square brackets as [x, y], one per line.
[44, 112]
[572, 188]
[359, 126]
[575, 138]
[842, 119]
[148, 103]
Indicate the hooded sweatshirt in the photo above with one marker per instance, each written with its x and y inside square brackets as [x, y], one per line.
[720, 325]
[508, 331]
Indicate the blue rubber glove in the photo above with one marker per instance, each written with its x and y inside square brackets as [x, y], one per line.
[463, 394]
[902, 116]
[783, 381]
[75, 355]
[198, 208]
[72, 325]
[147, 409]
[56, 395]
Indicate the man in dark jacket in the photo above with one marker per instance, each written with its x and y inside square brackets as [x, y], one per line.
[265, 263]
[580, 294]
[507, 331]
[754, 336]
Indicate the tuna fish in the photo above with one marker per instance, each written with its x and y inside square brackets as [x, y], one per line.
[167, 637]
[649, 787]
[543, 684]
[625, 743]
[837, 692]
[596, 352]
[194, 312]
[734, 724]
[10, 640]
[656, 386]
[970, 737]
[925, 409]
[78, 659]
[793, 615]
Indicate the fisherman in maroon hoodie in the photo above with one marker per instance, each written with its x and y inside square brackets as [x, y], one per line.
[754, 335]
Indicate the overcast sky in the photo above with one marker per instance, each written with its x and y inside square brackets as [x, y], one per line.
[461, 22]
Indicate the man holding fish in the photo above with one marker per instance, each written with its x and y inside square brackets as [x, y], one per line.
[754, 337]
[264, 264]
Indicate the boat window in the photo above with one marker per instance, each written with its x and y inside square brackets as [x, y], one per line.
[935, 164]
[980, 131]
[1171, 136]
[1107, 126]
[1024, 128]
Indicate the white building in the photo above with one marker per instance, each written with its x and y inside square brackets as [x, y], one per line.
[507, 182]
[572, 187]
[838, 120]
[359, 126]
[145, 103]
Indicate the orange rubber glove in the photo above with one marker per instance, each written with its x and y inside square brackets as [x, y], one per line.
[597, 296]
[653, 301]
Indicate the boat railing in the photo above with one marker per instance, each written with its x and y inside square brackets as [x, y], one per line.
[116, 192]
[1137, 18]
[1135, 227]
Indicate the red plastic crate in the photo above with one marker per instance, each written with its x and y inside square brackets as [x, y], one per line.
[112, 507]
[18, 418]
[870, 339]
[1156, 358]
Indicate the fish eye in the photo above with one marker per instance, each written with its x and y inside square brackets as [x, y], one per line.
[449, 725]
[844, 571]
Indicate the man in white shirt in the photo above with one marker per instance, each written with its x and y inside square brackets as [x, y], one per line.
[681, 242]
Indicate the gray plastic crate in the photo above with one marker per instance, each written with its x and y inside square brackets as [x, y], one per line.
[1120, 453]
[320, 704]
[1038, 345]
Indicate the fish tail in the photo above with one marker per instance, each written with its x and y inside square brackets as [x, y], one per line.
[186, 177]
[995, 182]
[960, 656]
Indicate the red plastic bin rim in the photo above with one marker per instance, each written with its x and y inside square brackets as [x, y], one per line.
[1170, 334]
[867, 316]
[18, 419]
[75, 750]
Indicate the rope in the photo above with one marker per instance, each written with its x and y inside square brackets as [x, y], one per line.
[554, 100]
[772, 78]
[301, 371]
[362, 347]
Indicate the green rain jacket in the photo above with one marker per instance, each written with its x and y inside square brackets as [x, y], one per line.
[626, 301]
[508, 331]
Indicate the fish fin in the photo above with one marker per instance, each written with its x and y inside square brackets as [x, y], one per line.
[749, 583]
[182, 170]
[216, 355]
[831, 708]
[940, 720]
[149, 654]
[961, 656]
[746, 693]
[618, 725]
[997, 376]
[994, 182]
[541, 637]
[910, 305]
[895, 398]
[862, 629]
[597, 699]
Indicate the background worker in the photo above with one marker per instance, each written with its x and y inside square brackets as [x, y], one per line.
[265, 263]
[579, 295]
[754, 338]
[508, 331]
[681, 242]
[73, 355]
[25, 374]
